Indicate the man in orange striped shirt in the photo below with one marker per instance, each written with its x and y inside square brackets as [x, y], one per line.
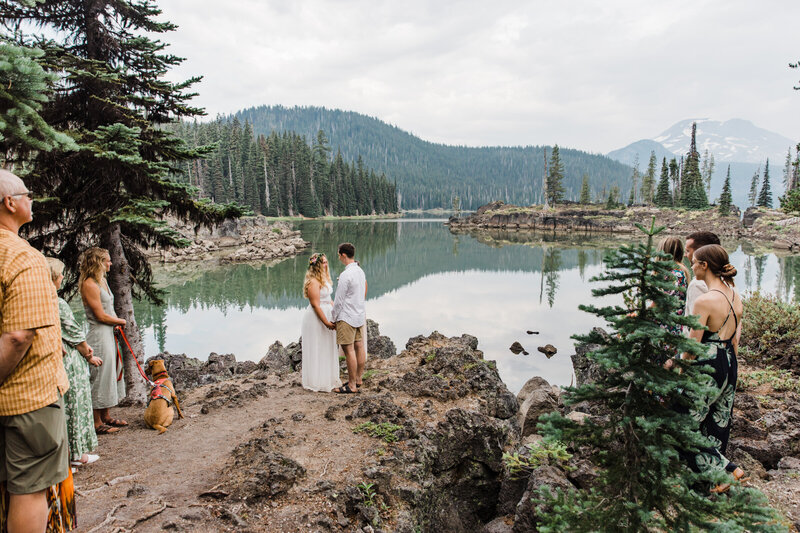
[33, 432]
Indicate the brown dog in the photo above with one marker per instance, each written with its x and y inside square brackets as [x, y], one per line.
[159, 414]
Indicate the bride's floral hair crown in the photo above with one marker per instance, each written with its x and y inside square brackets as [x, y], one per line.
[314, 259]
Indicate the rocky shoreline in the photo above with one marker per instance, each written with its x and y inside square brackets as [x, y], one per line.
[234, 240]
[423, 447]
[778, 230]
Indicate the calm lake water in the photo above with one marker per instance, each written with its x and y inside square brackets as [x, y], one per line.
[494, 285]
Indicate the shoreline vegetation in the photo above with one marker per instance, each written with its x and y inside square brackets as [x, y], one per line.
[769, 226]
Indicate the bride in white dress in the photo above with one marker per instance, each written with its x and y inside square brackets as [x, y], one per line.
[320, 353]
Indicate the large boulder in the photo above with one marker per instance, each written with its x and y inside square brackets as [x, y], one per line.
[378, 345]
[525, 517]
[185, 372]
[536, 398]
[223, 365]
[277, 359]
[586, 371]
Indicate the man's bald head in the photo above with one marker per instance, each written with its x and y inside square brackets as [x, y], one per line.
[10, 184]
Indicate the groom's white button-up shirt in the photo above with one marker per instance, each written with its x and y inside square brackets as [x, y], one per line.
[350, 291]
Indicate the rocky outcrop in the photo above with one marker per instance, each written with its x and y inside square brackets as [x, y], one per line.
[768, 225]
[244, 239]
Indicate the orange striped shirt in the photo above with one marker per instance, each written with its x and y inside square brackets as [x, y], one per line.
[28, 300]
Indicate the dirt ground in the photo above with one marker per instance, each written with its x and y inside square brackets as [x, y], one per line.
[146, 482]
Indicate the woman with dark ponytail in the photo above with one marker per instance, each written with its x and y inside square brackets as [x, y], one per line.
[720, 311]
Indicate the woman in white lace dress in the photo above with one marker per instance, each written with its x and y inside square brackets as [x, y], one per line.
[320, 353]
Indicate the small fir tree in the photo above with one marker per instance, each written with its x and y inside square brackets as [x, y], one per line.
[675, 178]
[612, 202]
[586, 193]
[634, 181]
[643, 483]
[693, 193]
[555, 177]
[725, 197]
[663, 196]
[765, 196]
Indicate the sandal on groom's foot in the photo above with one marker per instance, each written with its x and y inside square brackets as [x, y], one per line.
[345, 389]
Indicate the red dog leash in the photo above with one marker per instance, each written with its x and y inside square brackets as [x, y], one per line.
[118, 331]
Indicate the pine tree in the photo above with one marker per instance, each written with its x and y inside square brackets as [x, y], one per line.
[663, 196]
[675, 178]
[113, 100]
[613, 198]
[634, 181]
[707, 170]
[586, 193]
[765, 196]
[693, 193]
[649, 181]
[643, 483]
[725, 197]
[753, 195]
[24, 88]
[555, 177]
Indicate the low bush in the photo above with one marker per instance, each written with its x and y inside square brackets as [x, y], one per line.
[771, 333]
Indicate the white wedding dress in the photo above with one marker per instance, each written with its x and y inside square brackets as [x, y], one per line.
[320, 352]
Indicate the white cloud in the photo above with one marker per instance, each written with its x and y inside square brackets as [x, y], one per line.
[590, 75]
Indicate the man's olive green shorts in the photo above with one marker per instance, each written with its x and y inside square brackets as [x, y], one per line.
[347, 334]
[34, 453]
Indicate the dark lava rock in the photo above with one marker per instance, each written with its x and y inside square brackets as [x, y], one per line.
[233, 397]
[536, 398]
[549, 476]
[277, 359]
[246, 367]
[586, 371]
[259, 473]
[295, 352]
[186, 372]
[379, 410]
[223, 365]
[548, 350]
[378, 345]
[501, 524]
[516, 348]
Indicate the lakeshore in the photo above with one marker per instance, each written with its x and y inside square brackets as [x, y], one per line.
[420, 449]
[771, 227]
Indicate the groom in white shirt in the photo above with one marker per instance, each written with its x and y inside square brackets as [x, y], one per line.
[696, 288]
[350, 317]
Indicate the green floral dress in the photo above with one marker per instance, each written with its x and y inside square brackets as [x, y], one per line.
[78, 399]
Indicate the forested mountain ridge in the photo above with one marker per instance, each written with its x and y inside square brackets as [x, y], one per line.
[428, 174]
[280, 174]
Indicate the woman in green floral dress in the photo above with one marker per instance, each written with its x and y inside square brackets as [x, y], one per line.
[78, 355]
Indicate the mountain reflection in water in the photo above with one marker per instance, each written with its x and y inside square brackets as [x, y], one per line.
[494, 285]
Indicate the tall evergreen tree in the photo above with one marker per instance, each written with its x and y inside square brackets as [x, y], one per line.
[707, 169]
[634, 181]
[112, 99]
[555, 177]
[725, 197]
[586, 193]
[664, 196]
[765, 196]
[649, 181]
[638, 442]
[675, 178]
[693, 194]
[752, 196]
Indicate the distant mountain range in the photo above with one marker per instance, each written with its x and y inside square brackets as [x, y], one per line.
[429, 175]
[736, 142]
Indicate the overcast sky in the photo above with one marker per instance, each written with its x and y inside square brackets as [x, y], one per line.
[593, 75]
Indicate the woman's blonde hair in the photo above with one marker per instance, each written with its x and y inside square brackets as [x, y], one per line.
[673, 246]
[56, 267]
[316, 270]
[92, 264]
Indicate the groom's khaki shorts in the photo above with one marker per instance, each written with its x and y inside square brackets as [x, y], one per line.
[347, 334]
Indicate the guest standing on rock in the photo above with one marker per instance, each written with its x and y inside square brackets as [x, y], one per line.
[108, 383]
[33, 430]
[350, 317]
[78, 356]
[696, 287]
[320, 355]
[720, 310]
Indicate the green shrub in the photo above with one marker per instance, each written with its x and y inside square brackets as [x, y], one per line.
[779, 380]
[540, 453]
[385, 430]
[770, 331]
